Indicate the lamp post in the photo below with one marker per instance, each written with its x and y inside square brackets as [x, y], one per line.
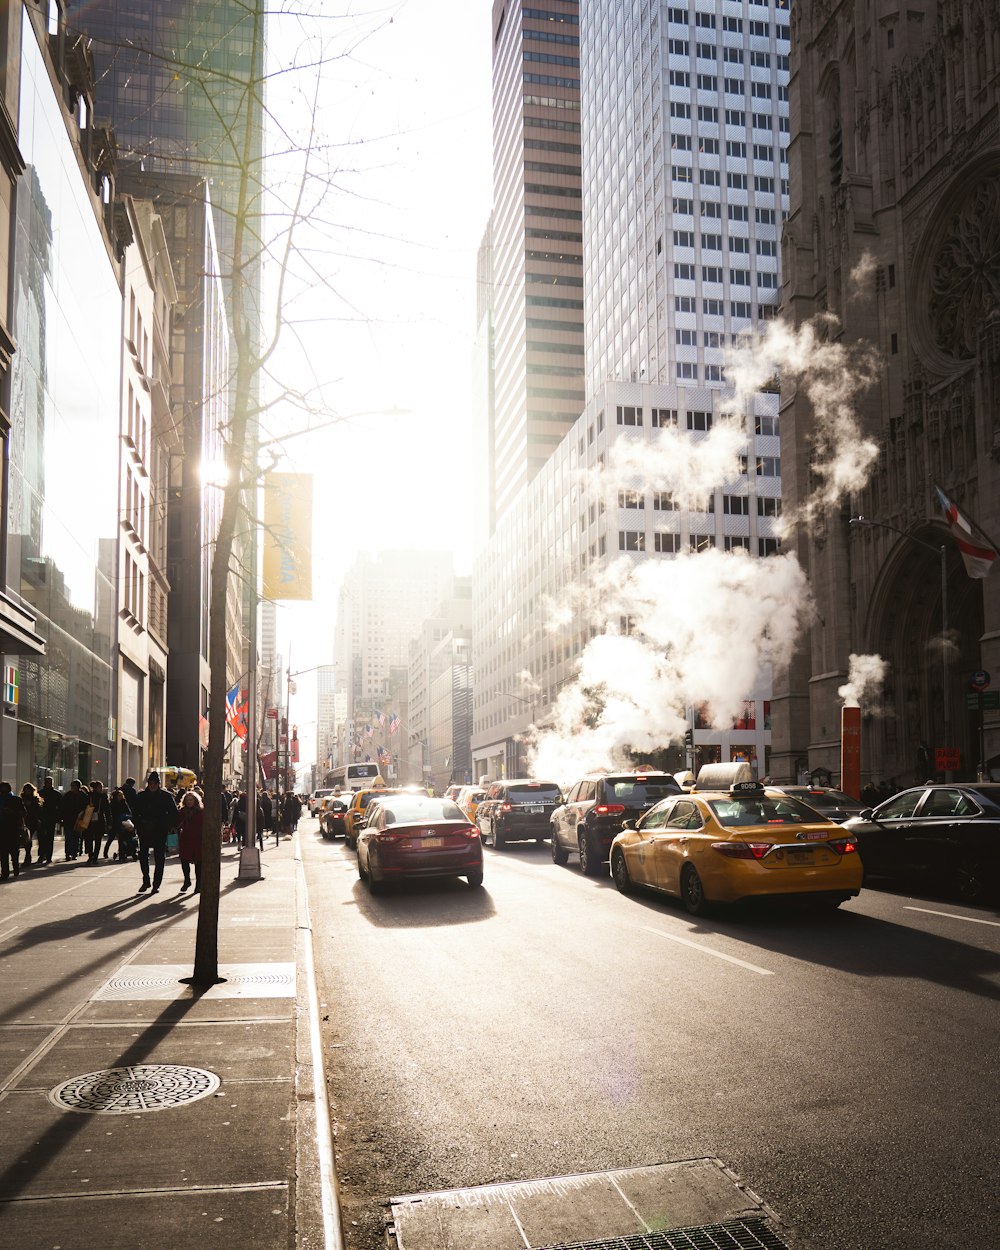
[942, 553]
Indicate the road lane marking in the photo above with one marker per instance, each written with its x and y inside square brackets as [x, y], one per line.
[707, 950]
[995, 924]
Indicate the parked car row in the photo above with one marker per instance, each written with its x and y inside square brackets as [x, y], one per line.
[720, 845]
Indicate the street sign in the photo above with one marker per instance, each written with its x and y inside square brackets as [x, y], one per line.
[979, 680]
[988, 701]
[947, 759]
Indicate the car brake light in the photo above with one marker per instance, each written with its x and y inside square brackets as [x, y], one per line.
[472, 833]
[609, 809]
[505, 807]
[844, 846]
[743, 850]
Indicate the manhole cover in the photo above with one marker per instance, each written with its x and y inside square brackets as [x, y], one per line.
[752, 1234]
[126, 1091]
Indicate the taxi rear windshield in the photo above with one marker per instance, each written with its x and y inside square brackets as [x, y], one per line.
[642, 793]
[739, 810]
[533, 794]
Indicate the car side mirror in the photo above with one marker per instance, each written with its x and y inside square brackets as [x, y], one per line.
[628, 824]
[867, 813]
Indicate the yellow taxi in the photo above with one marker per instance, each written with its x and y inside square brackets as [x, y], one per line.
[469, 798]
[743, 843]
[357, 808]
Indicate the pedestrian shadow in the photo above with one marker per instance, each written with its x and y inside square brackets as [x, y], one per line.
[96, 923]
[59, 1137]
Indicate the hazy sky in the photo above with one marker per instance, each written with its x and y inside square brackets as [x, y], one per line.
[402, 121]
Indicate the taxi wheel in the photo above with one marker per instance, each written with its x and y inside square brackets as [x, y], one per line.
[692, 891]
[560, 855]
[620, 872]
[497, 839]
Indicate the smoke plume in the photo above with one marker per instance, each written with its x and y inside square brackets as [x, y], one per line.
[865, 676]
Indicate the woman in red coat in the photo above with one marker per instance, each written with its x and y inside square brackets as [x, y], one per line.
[192, 818]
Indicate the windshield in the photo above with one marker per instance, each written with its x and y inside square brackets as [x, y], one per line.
[740, 810]
[412, 809]
[640, 792]
[542, 793]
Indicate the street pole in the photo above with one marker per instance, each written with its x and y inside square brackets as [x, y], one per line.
[946, 708]
[249, 853]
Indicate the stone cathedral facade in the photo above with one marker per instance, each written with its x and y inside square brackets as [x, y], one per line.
[894, 229]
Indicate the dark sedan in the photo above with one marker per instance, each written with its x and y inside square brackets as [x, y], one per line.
[941, 834]
[833, 804]
[412, 835]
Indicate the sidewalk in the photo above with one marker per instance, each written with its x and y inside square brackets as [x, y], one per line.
[135, 1110]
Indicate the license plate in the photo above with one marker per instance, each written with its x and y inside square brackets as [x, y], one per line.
[430, 842]
[535, 810]
[797, 856]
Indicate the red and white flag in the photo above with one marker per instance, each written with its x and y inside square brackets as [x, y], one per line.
[978, 552]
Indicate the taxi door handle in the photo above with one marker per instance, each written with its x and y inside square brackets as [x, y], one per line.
[681, 841]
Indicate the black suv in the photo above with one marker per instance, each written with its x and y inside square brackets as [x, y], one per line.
[514, 811]
[597, 807]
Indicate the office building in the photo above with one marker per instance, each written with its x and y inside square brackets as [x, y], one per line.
[536, 241]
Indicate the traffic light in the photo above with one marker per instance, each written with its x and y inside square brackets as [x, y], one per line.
[688, 737]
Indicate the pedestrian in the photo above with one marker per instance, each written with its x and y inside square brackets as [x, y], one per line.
[291, 810]
[32, 820]
[11, 832]
[71, 809]
[122, 828]
[129, 790]
[265, 815]
[192, 822]
[240, 818]
[49, 797]
[99, 826]
[155, 814]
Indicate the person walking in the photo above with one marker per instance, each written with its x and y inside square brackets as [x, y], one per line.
[191, 824]
[71, 808]
[49, 798]
[129, 790]
[291, 810]
[32, 820]
[99, 825]
[120, 832]
[155, 814]
[11, 832]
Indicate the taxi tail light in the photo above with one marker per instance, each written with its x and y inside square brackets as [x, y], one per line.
[609, 809]
[844, 846]
[742, 850]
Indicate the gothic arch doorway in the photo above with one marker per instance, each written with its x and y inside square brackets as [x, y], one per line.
[924, 703]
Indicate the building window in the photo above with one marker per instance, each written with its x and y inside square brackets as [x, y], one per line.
[767, 506]
[767, 426]
[701, 542]
[663, 417]
[736, 542]
[631, 499]
[699, 420]
[666, 544]
[768, 466]
[768, 546]
[631, 540]
[736, 505]
[629, 415]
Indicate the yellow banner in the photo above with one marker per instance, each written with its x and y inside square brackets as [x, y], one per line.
[288, 536]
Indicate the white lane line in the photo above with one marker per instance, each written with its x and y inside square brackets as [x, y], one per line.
[8, 933]
[707, 950]
[995, 924]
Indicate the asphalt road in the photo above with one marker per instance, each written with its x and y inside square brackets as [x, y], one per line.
[844, 1065]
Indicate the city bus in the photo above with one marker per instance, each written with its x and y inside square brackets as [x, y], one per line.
[354, 777]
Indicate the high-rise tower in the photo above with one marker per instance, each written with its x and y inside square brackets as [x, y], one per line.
[536, 231]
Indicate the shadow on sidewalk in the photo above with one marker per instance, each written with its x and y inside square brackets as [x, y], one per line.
[61, 1135]
[98, 923]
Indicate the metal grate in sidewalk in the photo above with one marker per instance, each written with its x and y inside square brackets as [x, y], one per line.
[750, 1234]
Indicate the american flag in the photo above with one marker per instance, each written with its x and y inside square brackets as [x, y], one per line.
[394, 722]
[237, 708]
[380, 717]
[369, 732]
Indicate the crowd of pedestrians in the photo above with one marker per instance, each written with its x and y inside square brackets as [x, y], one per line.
[128, 824]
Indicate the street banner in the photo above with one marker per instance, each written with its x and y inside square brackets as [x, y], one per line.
[977, 548]
[288, 536]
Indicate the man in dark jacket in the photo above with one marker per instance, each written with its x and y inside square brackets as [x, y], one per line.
[48, 820]
[71, 808]
[155, 814]
[11, 831]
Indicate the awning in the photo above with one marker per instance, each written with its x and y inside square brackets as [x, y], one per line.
[17, 629]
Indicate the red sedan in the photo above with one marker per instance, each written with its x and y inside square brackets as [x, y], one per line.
[411, 835]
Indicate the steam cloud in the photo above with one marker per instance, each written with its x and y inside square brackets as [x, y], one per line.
[865, 676]
[705, 628]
